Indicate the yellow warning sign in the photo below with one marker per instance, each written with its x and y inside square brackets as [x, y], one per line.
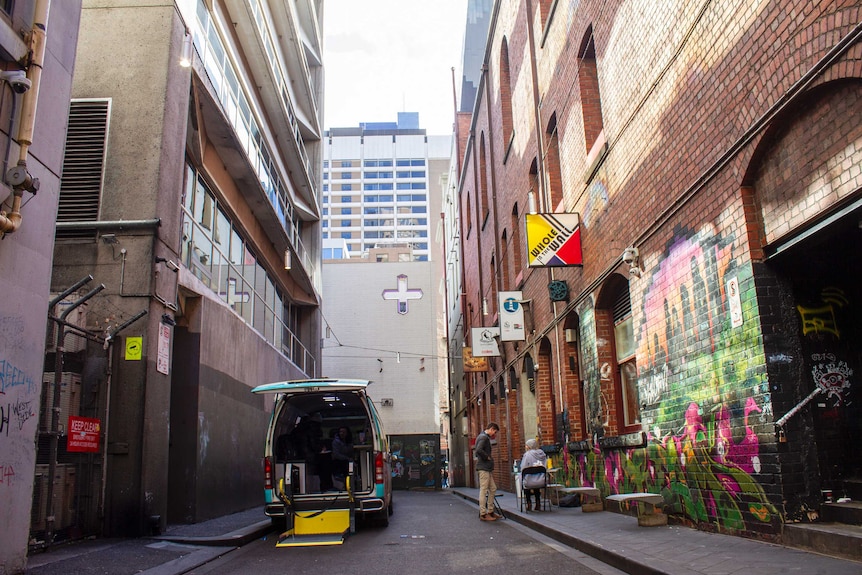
[134, 348]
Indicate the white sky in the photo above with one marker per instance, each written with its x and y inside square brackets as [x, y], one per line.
[382, 57]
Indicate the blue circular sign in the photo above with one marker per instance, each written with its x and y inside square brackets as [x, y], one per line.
[511, 305]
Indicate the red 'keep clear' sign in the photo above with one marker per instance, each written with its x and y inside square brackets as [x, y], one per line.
[83, 434]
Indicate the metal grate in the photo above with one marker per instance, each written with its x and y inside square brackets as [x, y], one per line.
[622, 305]
[83, 165]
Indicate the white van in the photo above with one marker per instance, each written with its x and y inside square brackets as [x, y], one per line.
[305, 476]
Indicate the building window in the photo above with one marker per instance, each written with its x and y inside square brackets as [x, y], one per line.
[591, 100]
[506, 98]
[213, 249]
[483, 184]
[552, 167]
[614, 308]
[517, 263]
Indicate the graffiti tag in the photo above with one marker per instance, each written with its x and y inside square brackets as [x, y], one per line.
[833, 378]
[11, 376]
[19, 412]
[7, 474]
[822, 319]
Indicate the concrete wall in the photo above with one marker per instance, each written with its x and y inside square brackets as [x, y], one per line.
[365, 327]
[25, 258]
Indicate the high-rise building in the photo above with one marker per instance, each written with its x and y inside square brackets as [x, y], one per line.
[377, 180]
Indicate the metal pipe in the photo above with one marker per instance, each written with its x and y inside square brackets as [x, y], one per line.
[78, 285]
[110, 225]
[18, 176]
[55, 410]
[37, 42]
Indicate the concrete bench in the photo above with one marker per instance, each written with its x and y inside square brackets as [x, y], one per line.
[591, 497]
[649, 513]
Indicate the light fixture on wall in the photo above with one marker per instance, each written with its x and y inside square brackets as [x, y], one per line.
[186, 54]
[484, 306]
[288, 260]
[531, 202]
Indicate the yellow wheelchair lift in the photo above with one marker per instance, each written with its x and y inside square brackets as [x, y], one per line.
[325, 526]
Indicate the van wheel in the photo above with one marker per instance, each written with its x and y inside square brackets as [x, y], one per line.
[382, 518]
[391, 509]
[279, 524]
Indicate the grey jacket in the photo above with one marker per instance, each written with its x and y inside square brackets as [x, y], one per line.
[482, 449]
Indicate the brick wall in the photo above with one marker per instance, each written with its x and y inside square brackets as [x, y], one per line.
[692, 179]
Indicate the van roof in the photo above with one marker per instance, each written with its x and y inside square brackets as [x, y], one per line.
[312, 384]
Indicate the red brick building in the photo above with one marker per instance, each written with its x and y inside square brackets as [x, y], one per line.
[708, 347]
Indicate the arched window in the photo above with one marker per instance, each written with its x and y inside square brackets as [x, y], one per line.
[517, 231]
[484, 200]
[591, 100]
[552, 167]
[469, 211]
[506, 98]
[614, 324]
[504, 260]
[545, 7]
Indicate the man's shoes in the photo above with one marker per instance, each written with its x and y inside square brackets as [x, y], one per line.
[488, 517]
[529, 506]
[496, 515]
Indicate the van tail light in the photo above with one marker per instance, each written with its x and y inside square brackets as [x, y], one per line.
[378, 467]
[267, 472]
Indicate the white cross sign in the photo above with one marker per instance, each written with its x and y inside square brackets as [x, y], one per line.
[402, 295]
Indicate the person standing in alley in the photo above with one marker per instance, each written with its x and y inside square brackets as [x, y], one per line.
[485, 467]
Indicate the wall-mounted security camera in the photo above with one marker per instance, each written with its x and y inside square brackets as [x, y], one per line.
[630, 256]
[170, 264]
[17, 80]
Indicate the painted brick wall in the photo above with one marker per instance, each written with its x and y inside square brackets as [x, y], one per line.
[682, 87]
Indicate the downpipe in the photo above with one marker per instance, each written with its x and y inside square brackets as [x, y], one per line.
[19, 177]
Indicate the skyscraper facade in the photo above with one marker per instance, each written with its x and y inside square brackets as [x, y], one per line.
[377, 179]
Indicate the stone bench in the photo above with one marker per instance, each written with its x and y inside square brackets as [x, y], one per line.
[591, 497]
[649, 512]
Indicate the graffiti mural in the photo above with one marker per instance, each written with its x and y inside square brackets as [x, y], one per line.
[703, 390]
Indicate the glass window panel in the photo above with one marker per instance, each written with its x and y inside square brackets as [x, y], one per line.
[198, 202]
[259, 314]
[236, 248]
[189, 192]
[201, 256]
[624, 338]
[243, 300]
[185, 244]
[248, 265]
[278, 312]
[221, 233]
[260, 280]
[631, 398]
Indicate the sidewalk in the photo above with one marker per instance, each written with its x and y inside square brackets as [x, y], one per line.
[617, 540]
[180, 549]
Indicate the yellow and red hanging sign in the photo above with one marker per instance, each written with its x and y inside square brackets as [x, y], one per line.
[554, 240]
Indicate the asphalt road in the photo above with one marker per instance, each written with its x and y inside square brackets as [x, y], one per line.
[429, 533]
